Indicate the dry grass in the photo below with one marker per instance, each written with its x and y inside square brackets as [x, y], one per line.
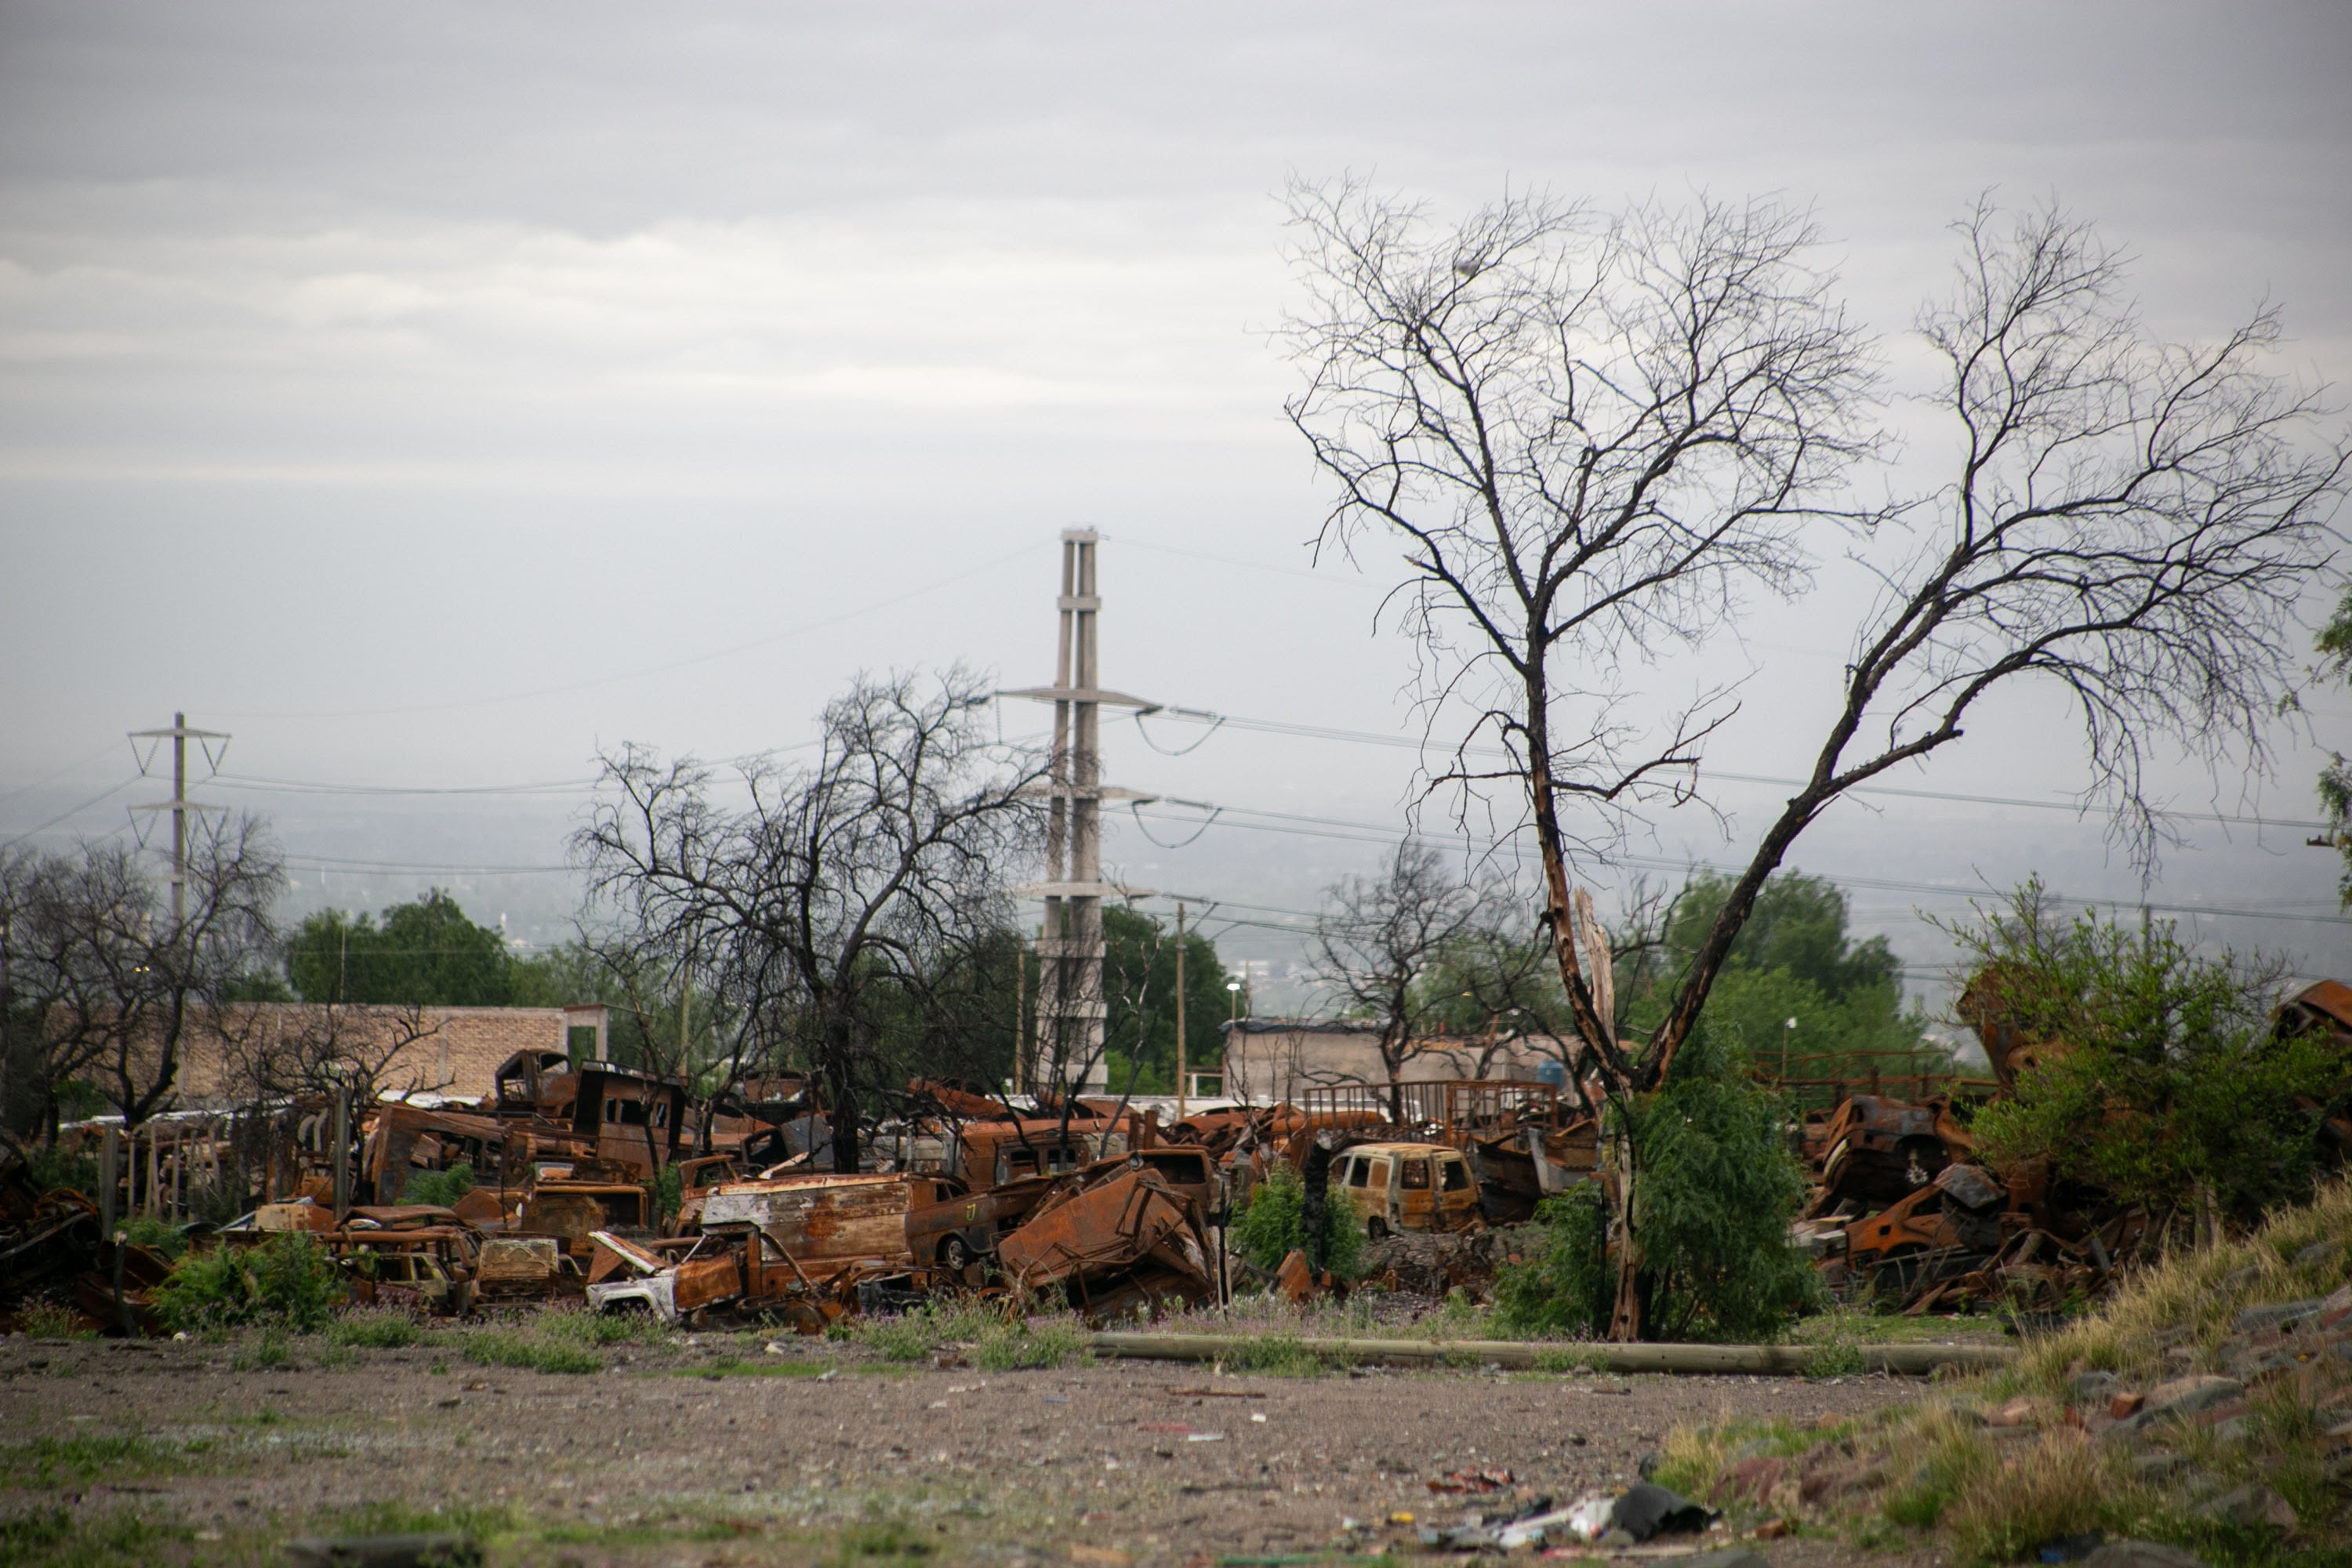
[1996, 1495]
[2063, 1484]
[2191, 1299]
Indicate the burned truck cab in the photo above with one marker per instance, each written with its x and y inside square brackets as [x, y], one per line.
[634, 1120]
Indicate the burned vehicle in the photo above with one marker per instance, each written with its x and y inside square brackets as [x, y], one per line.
[1400, 1187]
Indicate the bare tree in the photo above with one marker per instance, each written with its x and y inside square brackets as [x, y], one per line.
[309, 1052]
[122, 989]
[841, 881]
[1377, 939]
[1592, 435]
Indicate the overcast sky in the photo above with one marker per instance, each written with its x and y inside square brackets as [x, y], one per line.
[431, 394]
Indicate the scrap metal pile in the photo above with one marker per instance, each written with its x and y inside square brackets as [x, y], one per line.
[1084, 1201]
[1905, 1216]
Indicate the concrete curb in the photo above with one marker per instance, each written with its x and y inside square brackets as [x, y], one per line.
[1754, 1361]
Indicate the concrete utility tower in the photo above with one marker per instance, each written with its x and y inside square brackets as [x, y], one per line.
[1070, 1002]
[180, 805]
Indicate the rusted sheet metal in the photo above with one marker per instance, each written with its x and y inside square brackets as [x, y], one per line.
[956, 1100]
[821, 1219]
[1984, 1007]
[522, 1266]
[1114, 1223]
[988, 1153]
[405, 1140]
[1881, 1149]
[573, 1210]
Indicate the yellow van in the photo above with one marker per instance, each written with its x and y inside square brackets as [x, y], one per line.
[1407, 1186]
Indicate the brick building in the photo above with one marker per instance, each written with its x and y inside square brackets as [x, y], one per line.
[451, 1053]
[1268, 1060]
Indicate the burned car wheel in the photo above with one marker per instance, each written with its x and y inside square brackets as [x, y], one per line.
[954, 1255]
[1375, 1229]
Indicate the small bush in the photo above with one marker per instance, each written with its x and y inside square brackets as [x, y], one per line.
[56, 1165]
[1274, 1225]
[159, 1234]
[288, 1281]
[1715, 1191]
[441, 1188]
[668, 1188]
[266, 1351]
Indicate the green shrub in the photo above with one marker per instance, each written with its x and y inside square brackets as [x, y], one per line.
[441, 1188]
[1715, 1191]
[161, 1235]
[54, 1166]
[2175, 1083]
[906, 1336]
[668, 1188]
[288, 1281]
[1274, 1225]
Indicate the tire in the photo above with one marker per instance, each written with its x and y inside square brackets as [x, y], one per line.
[954, 1256]
[1375, 1229]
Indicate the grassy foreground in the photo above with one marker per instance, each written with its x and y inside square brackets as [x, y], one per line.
[2208, 1406]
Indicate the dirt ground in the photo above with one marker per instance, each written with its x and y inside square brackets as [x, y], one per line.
[716, 1449]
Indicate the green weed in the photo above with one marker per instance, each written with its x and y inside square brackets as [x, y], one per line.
[79, 1460]
[1015, 1347]
[499, 1347]
[265, 1352]
[1277, 1355]
[440, 1188]
[57, 1537]
[771, 1366]
[579, 1326]
[49, 1320]
[377, 1330]
[161, 1236]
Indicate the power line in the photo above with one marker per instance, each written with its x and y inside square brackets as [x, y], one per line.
[308, 787]
[1371, 737]
[1365, 832]
[75, 811]
[23, 790]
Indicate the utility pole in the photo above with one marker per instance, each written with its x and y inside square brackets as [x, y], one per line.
[180, 805]
[1070, 1005]
[1181, 1083]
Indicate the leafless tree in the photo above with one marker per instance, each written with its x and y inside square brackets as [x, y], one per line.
[1592, 435]
[1377, 939]
[840, 880]
[308, 1052]
[122, 988]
